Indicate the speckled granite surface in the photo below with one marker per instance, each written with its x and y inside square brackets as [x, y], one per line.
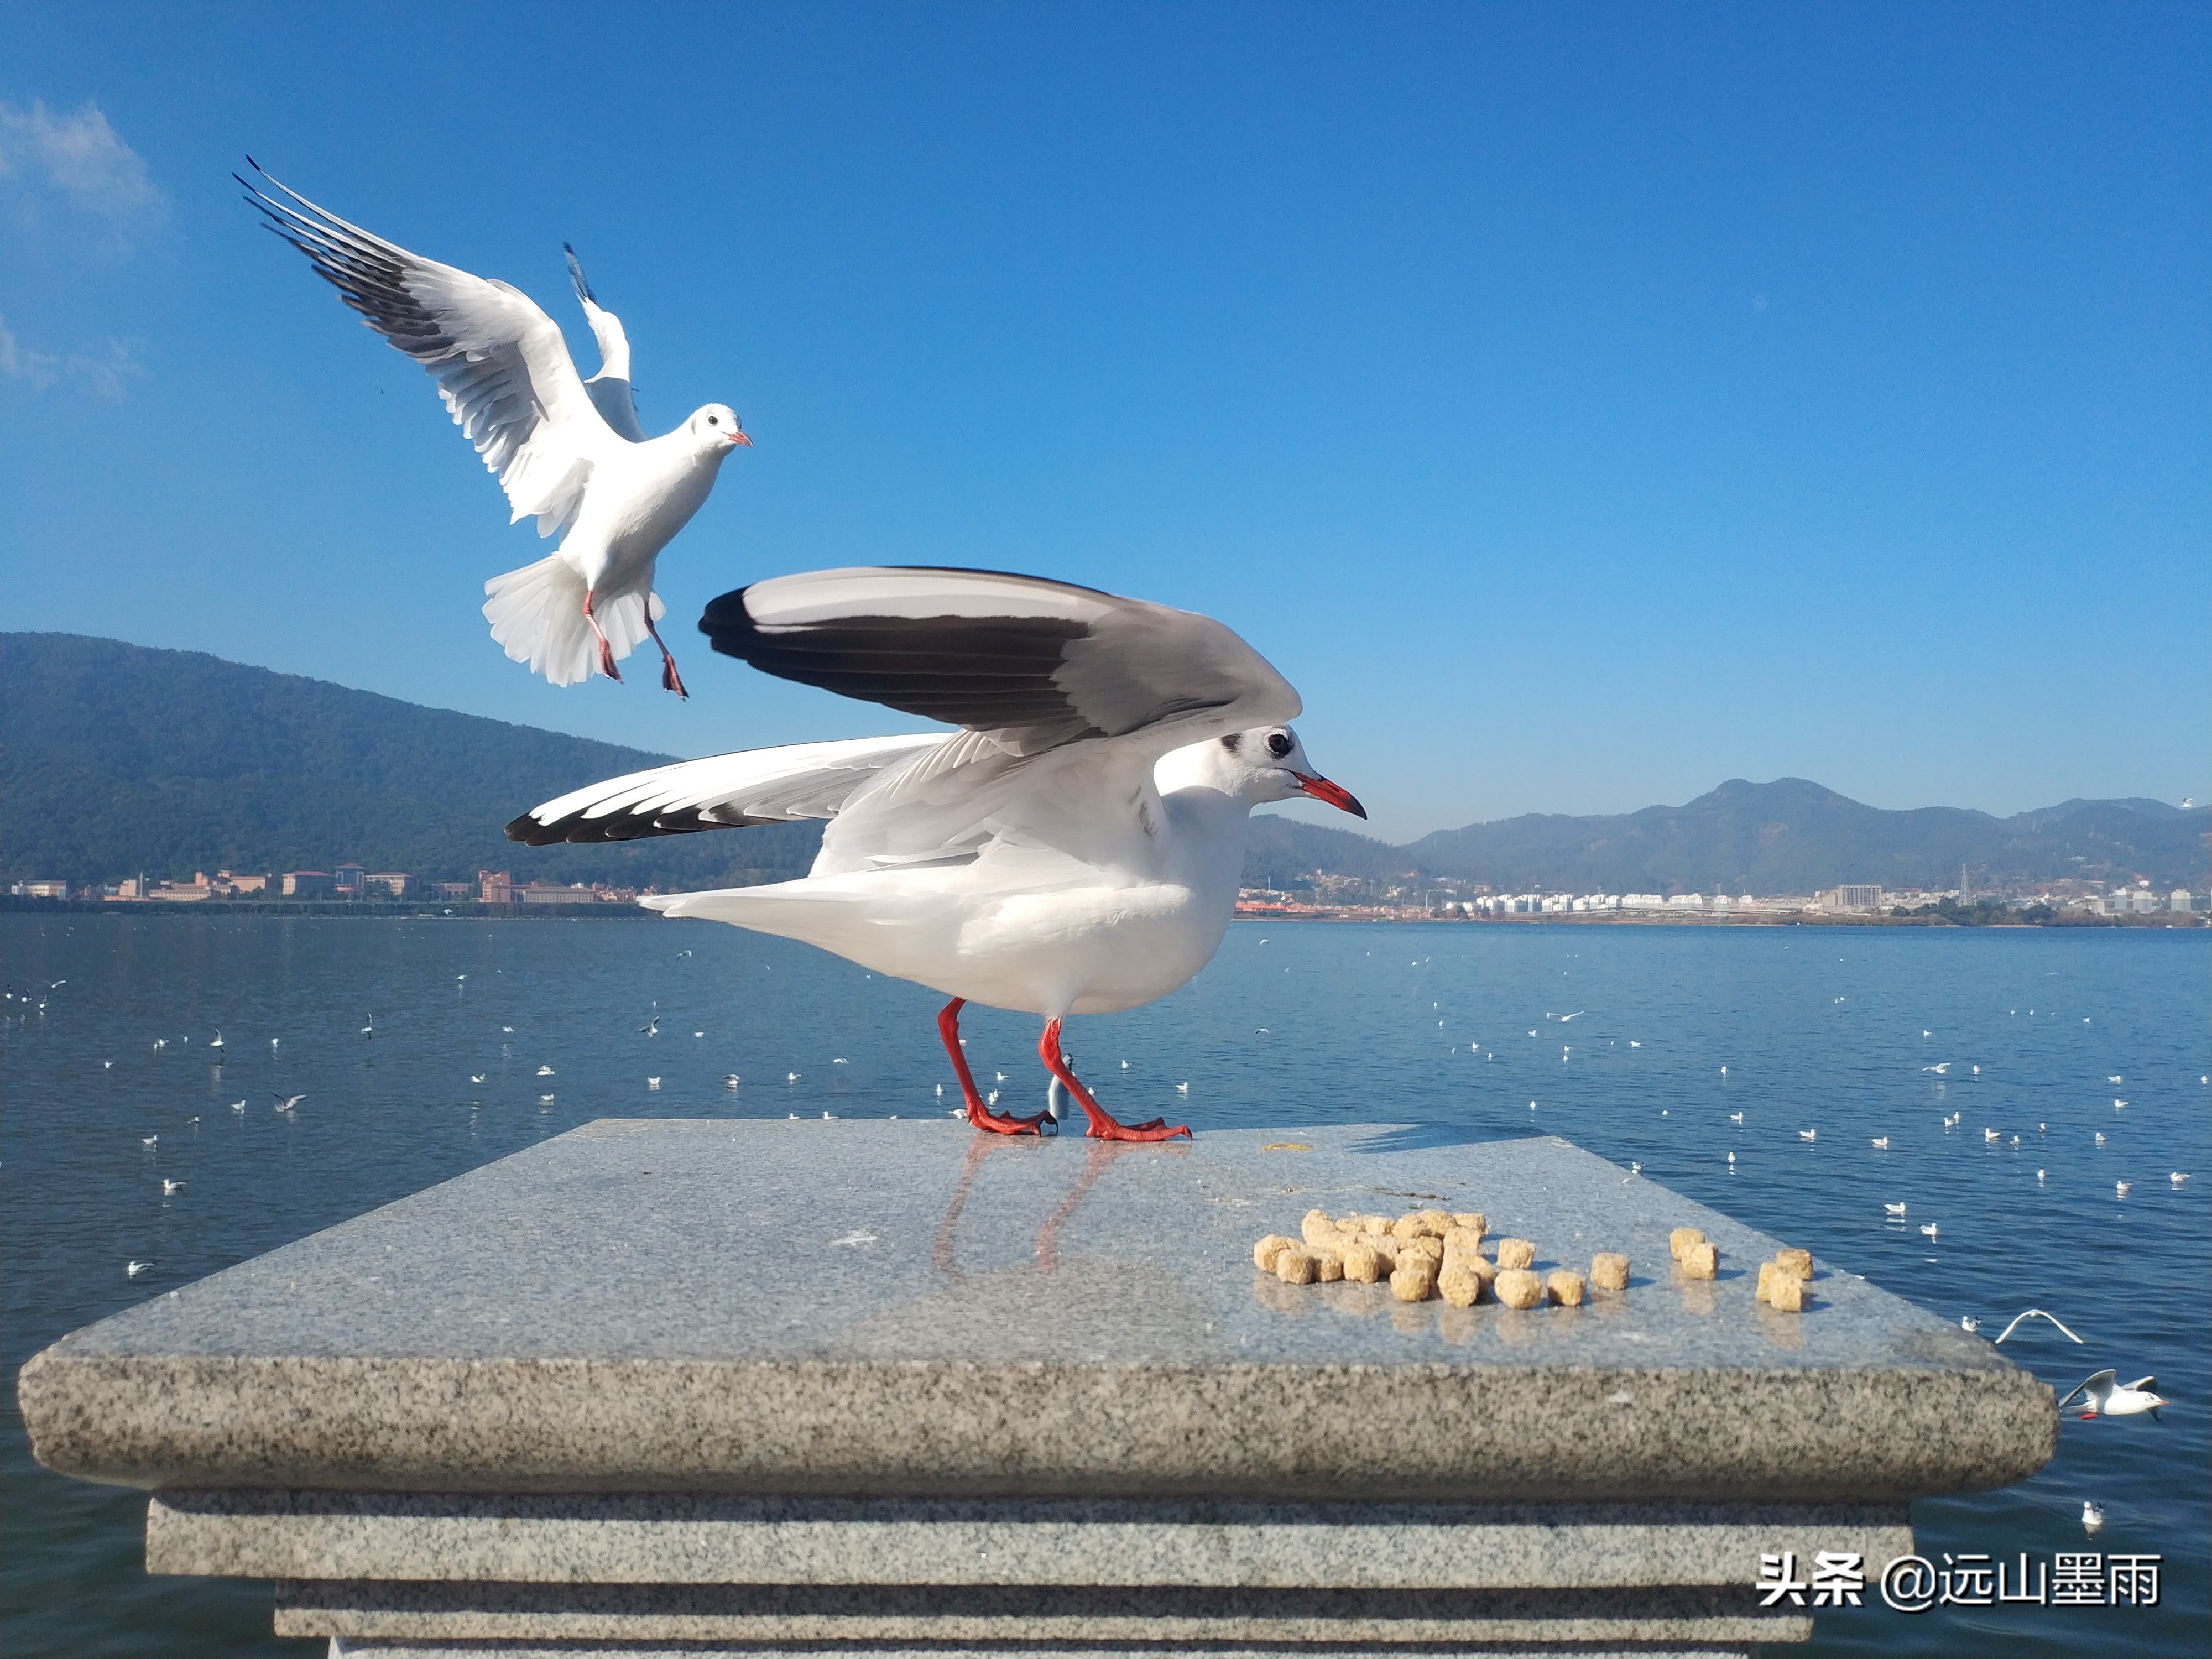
[907, 1308]
[517, 1648]
[1037, 1613]
[688, 1540]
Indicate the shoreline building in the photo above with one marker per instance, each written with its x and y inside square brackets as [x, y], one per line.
[1849, 895]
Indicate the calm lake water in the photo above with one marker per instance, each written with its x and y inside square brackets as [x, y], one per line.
[1674, 1032]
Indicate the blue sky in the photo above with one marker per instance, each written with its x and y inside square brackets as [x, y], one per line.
[1581, 404]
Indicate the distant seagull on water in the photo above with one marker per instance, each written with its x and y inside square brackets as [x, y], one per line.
[171, 1188]
[1881, 1143]
[2093, 1516]
[567, 451]
[132, 1269]
[1929, 1228]
[217, 1043]
[287, 1102]
[1893, 1209]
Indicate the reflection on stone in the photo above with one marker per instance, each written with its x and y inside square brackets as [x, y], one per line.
[1697, 1294]
[1517, 1329]
[1412, 1318]
[1457, 1326]
[1276, 1296]
[1346, 1298]
[1784, 1331]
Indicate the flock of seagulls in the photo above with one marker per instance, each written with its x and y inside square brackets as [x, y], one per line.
[1074, 848]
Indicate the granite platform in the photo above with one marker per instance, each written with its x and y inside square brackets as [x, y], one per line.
[875, 1387]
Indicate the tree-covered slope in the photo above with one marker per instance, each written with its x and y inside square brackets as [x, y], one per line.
[115, 758]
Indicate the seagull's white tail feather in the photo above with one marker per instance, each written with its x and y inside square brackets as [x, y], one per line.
[537, 613]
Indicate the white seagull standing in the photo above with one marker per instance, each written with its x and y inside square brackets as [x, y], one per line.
[568, 451]
[1075, 848]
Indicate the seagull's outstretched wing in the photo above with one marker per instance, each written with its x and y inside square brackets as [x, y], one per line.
[500, 364]
[757, 786]
[2092, 1387]
[2142, 1383]
[2036, 1313]
[1035, 664]
[610, 390]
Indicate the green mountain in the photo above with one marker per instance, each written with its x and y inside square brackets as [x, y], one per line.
[116, 759]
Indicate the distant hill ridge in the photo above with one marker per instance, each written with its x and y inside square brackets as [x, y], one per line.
[116, 759]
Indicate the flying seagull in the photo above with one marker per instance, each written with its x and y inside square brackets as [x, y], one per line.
[614, 495]
[1075, 848]
[2104, 1397]
[2037, 1313]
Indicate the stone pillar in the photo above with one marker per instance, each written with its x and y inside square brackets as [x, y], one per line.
[889, 1386]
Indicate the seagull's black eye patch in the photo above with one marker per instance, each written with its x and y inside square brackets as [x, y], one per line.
[1278, 743]
[1232, 741]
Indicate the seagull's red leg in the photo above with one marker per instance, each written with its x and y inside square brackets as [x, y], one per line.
[1102, 1126]
[606, 654]
[670, 679]
[999, 1123]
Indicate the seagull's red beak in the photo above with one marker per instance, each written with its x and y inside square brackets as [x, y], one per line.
[1335, 794]
[740, 438]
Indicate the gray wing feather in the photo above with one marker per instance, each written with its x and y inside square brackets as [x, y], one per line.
[502, 368]
[1036, 664]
